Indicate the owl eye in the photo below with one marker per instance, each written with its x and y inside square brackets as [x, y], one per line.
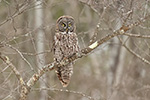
[63, 25]
[69, 25]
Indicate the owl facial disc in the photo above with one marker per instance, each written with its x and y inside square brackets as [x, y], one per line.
[65, 25]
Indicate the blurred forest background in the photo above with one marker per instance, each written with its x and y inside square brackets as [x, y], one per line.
[110, 72]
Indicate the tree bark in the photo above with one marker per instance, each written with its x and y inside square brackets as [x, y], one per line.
[40, 44]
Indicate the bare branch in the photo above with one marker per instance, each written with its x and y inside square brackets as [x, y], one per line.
[137, 35]
[20, 55]
[20, 9]
[146, 87]
[61, 90]
[18, 12]
[6, 60]
[135, 54]
[36, 77]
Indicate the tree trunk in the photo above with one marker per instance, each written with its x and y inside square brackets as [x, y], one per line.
[40, 44]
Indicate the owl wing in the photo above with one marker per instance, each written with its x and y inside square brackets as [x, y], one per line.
[57, 48]
[76, 45]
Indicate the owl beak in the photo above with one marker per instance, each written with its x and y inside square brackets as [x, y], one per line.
[67, 30]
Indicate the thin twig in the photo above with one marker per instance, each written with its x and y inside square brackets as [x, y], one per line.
[135, 54]
[10, 46]
[61, 90]
[137, 35]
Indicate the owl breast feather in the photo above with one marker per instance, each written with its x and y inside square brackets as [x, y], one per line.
[65, 45]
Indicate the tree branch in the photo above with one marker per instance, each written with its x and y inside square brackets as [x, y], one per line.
[135, 54]
[61, 90]
[6, 60]
[137, 35]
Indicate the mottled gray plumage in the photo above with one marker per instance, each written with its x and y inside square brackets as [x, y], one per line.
[65, 44]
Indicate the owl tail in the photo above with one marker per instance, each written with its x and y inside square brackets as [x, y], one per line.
[64, 74]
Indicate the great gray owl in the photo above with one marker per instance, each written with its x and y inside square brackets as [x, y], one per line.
[65, 45]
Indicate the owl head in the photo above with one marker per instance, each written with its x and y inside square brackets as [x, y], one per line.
[65, 25]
